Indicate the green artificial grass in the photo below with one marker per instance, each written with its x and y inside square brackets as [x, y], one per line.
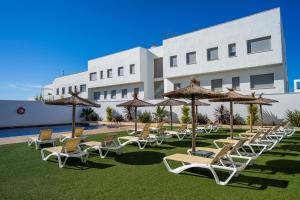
[140, 174]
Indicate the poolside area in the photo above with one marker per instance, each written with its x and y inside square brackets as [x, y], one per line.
[140, 174]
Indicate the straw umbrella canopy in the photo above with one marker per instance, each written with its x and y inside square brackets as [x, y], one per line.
[199, 103]
[232, 96]
[171, 102]
[259, 101]
[74, 100]
[193, 91]
[135, 102]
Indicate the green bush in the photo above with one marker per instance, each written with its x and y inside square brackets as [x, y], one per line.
[109, 113]
[89, 115]
[202, 119]
[293, 117]
[222, 115]
[238, 120]
[144, 117]
[185, 118]
[255, 118]
[160, 113]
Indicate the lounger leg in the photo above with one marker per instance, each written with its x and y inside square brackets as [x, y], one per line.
[61, 164]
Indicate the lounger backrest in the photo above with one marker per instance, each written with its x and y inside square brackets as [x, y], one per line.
[146, 131]
[70, 145]
[254, 137]
[109, 139]
[45, 134]
[225, 149]
[183, 127]
[78, 131]
[161, 130]
[238, 145]
[160, 124]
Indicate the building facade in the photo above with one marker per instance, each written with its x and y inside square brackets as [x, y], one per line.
[246, 54]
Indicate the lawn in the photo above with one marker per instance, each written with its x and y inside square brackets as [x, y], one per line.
[140, 174]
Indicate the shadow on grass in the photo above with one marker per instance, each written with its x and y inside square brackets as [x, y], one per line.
[76, 164]
[214, 137]
[283, 166]
[187, 143]
[281, 154]
[289, 147]
[140, 158]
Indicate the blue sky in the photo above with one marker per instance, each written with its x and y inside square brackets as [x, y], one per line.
[41, 39]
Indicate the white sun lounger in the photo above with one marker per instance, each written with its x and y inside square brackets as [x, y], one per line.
[78, 134]
[69, 149]
[44, 137]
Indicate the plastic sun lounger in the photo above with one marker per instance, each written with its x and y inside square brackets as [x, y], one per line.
[212, 164]
[69, 149]
[109, 144]
[44, 137]
[237, 159]
[78, 134]
[181, 132]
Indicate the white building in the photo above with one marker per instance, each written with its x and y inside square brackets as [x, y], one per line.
[297, 85]
[247, 54]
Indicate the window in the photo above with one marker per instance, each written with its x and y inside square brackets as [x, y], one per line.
[231, 50]
[105, 94]
[217, 85]
[173, 61]
[63, 90]
[158, 67]
[75, 88]
[298, 85]
[177, 86]
[57, 91]
[262, 81]
[70, 89]
[124, 93]
[132, 69]
[191, 58]
[121, 71]
[136, 91]
[158, 89]
[93, 76]
[101, 74]
[96, 96]
[109, 73]
[259, 45]
[236, 83]
[212, 54]
[83, 88]
[113, 94]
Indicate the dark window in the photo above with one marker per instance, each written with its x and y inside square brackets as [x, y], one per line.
[158, 89]
[259, 45]
[57, 91]
[113, 94]
[217, 85]
[191, 58]
[93, 76]
[231, 50]
[132, 69]
[70, 89]
[101, 74]
[105, 94]
[109, 73]
[124, 93]
[177, 86]
[158, 68]
[236, 83]
[121, 71]
[97, 96]
[173, 61]
[63, 90]
[83, 88]
[212, 54]
[136, 90]
[262, 81]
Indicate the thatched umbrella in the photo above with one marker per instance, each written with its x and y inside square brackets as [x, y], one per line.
[171, 102]
[193, 91]
[259, 101]
[136, 102]
[232, 96]
[74, 101]
[199, 103]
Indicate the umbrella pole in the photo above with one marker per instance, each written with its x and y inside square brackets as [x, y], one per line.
[231, 119]
[193, 125]
[251, 116]
[196, 114]
[135, 119]
[73, 120]
[261, 116]
[171, 117]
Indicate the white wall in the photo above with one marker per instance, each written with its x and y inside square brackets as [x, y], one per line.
[238, 31]
[37, 113]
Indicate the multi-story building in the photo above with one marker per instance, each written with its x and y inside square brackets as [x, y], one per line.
[246, 54]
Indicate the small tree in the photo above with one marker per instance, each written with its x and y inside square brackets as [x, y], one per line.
[222, 114]
[145, 117]
[185, 118]
[293, 117]
[160, 113]
[254, 112]
[109, 113]
[89, 115]
[202, 119]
